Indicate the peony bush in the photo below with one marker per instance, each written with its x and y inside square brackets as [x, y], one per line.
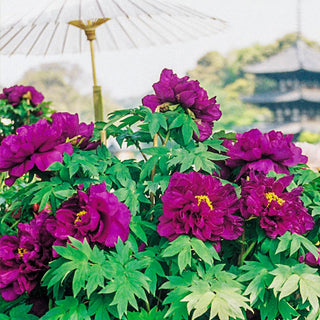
[199, 225]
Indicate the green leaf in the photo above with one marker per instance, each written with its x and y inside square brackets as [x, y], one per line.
[202, 250]
[153, 314]
[286, 310]
[178, 121]
[298, 277]
[137, 226]
[87, 267]
[99, 307]
[148, 166]
[129, 195]
[220, 294]
[67, 309]
[127, 282]
[258, 273]
[55, 166]
[309, 289]
[156, 121]
[152, 272]
[21, 312]
[295, 242]
[306, 176]
[156, 151]
[290, 286]
[184, 258]
[182, 248]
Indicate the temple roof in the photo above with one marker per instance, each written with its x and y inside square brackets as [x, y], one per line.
[297, 57]
[302, 94]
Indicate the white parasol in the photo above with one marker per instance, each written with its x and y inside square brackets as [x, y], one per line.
[113, 24]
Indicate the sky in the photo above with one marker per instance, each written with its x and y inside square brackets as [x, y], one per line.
[132, 72]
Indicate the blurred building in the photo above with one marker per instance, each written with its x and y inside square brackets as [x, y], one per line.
[296, 71]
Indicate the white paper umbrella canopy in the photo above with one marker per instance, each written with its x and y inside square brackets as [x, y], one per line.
[113, 24]
[133, 23]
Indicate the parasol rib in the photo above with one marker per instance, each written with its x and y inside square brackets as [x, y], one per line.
[51, 38]
[121, 10]
[23, 39]
[8, 31]
[140, 8]
[107, 27]
[151, 27]
[65, 39]
[12, 38]
[37, 38]
[126, 33]
[60, 11]
[80, 32]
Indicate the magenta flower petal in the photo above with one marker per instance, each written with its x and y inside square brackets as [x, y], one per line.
[79, 133]
[16, 94]
[45, 159]
[198, 205]
[271, 151]
[277, 209]
[151, 101]
[97, 216]
[34, 146]
[310, 259]
[187, 93]
[24, 258]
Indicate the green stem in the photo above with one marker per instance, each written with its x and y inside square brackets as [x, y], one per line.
[166, 139]
[142, 153]
[245, 254]
[153, 172]
[147, 305]
[242, 250]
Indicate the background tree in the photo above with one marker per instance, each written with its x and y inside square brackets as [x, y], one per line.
[62, 83]
[223, 76]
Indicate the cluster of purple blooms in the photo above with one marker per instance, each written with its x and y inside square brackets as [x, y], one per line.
[192, 98]
[271, 151]
[199, 205]
[194, 204]
[39, 145]
[24, 258]
[14, 95]
[95, 215]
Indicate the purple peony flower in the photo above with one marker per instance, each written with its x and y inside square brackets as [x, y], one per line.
[24, 258]
[78, 134]
[15, 94]
[278, 210]
[264, 152]
[188, 93]
[310, 259]
[34, 146]
[96, 215]
[198, 205]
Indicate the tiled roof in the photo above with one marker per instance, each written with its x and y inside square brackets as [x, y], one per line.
[302, 94]
[297, 57]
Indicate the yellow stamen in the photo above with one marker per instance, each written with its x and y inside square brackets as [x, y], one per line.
[74, 141]
[271, 196]
[22, 251]
[79, 215]
[205, 199]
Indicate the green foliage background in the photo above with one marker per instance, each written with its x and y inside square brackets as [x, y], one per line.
[223, 76]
